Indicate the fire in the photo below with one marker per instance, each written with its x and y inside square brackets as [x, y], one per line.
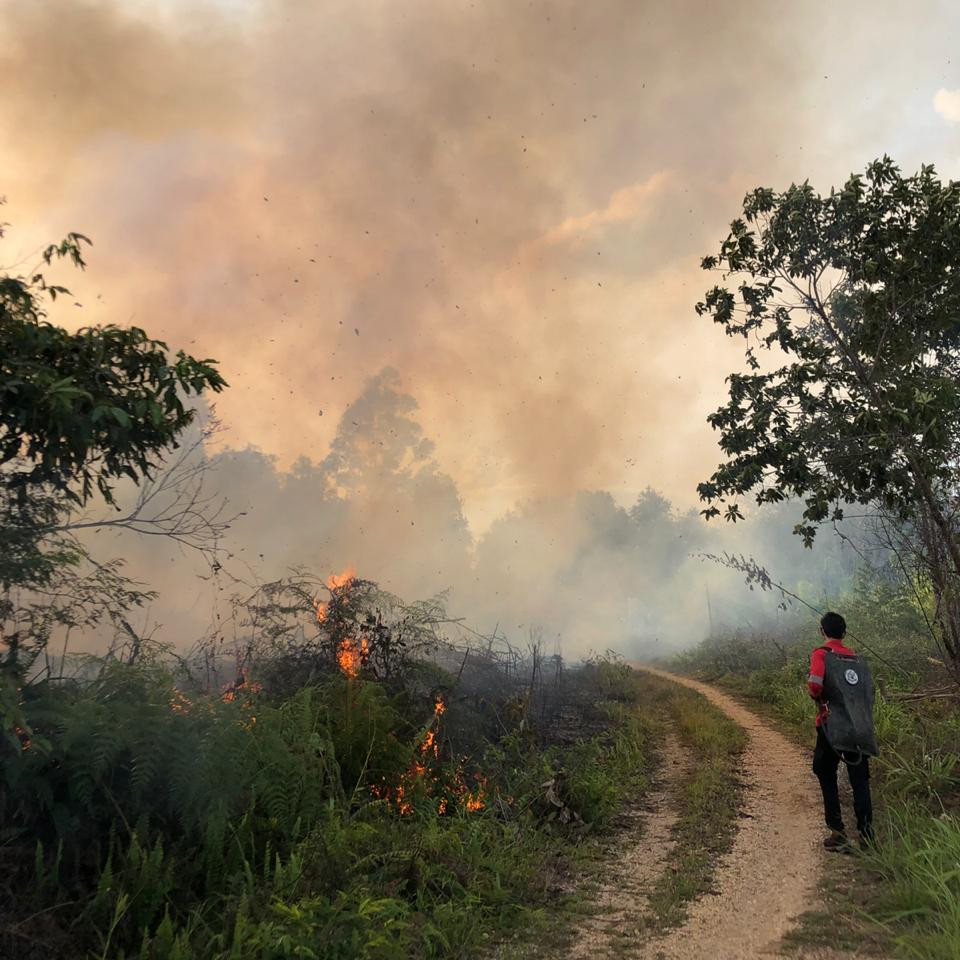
[337, 580]
[241, 685]
[448, 785]
[241, 691]
[334, 582]
[352, 655]
[180, 702]
[320, 608]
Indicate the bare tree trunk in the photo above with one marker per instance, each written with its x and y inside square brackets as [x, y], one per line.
[938, 560]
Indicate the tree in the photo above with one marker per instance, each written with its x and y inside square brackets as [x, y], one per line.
[79, 412]
[855, 297]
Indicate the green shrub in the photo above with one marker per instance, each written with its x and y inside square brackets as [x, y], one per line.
[172, 824]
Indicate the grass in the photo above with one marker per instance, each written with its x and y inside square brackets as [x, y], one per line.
[582, 865]
[846, 891]
[917, 866]
[140, 824]
[709, 802]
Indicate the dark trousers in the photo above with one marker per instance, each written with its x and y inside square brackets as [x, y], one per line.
[825, 763]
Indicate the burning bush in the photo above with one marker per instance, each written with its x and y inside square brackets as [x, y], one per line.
[300, 630]
[343, 752]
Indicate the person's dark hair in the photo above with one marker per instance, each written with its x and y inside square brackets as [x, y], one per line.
[833, 625]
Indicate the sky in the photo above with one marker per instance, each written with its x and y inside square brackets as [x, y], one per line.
[502, 203]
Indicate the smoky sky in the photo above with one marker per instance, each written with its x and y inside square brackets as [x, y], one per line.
[576, 569]
[504, 204]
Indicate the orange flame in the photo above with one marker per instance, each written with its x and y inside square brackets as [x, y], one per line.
[334, 582]
[320, 608]
[449, 786]
[180, 702]
[352, 655]
[241, 685]
[337, 580]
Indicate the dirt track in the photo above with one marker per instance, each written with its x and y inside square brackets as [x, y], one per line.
[770, 875]
[761, 887]
[622, 897]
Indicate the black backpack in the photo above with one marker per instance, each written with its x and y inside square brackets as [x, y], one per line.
[848, 691]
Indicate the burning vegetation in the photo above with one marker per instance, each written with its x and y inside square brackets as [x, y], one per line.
[328, 744]
[352, 652]
[443, 780]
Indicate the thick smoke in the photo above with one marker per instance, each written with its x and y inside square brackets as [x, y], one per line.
[577, 570]
[503, 202]
[495, 199]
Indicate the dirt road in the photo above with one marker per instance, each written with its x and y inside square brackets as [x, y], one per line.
[770, 875]
[760, 888]
[641, 852]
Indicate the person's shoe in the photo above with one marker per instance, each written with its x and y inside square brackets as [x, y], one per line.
[867, 841]
[837, 841]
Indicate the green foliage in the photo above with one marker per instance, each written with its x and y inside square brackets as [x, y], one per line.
[918, 897]
[173, 824]
[859, 290]
[598, 774]
[917, 884]
[80, 410]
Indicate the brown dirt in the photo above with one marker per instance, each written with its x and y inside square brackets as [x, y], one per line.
[770, 875]
[642, 848]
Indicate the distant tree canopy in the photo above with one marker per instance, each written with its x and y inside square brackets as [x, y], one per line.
[79, 410]
[855, 296]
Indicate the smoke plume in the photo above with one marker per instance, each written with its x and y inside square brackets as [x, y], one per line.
[496, 208]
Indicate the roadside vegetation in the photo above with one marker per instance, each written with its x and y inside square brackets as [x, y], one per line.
[344, 816]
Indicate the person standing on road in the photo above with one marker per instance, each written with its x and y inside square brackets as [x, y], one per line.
[826, 760]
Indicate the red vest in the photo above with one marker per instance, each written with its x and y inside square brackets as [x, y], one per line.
[815, 680]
